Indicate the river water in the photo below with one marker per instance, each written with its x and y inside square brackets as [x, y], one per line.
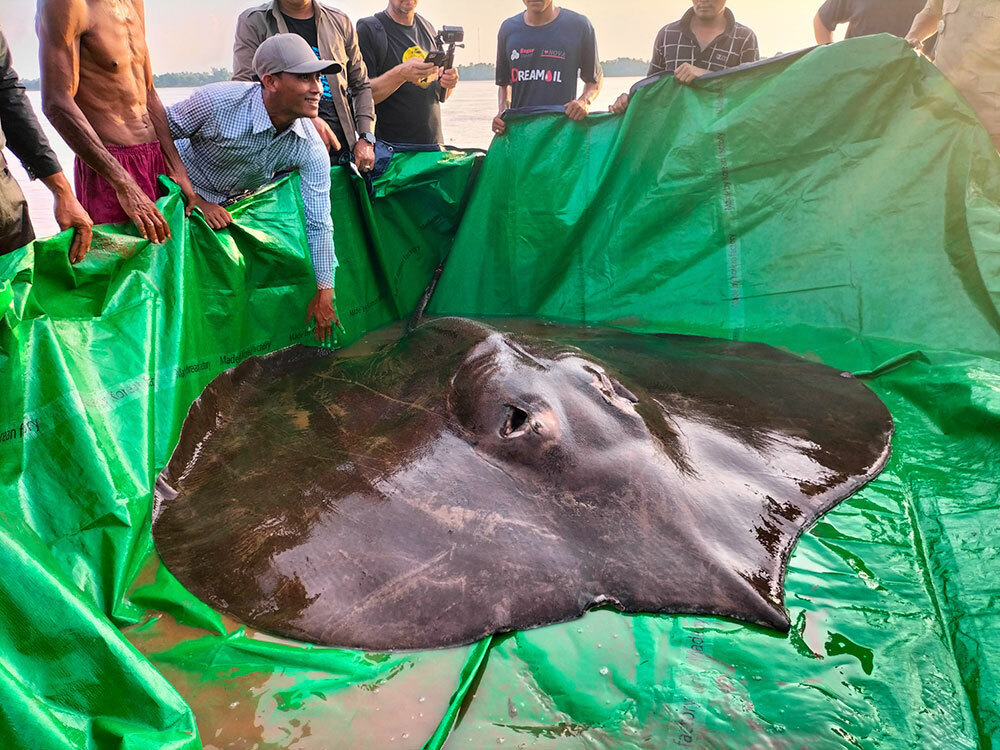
[466, 121]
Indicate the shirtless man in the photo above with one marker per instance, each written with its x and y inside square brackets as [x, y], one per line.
[97, 90]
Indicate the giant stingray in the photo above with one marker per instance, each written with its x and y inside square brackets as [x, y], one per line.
[464, 481]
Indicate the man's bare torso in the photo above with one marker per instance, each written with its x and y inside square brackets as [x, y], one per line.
[113, 71]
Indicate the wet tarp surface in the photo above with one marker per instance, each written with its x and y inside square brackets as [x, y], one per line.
[844, 205]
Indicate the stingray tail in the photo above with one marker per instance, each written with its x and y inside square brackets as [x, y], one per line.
[425, 300]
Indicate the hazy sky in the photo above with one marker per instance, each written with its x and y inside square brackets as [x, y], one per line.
[198, 34]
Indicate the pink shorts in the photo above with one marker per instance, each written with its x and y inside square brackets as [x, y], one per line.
[144, 162]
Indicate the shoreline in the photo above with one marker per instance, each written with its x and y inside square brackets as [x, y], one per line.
[160, 86]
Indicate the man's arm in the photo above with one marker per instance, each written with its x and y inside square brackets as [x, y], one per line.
[314, 173]
[28, 142]
[830, 14]
[70, 214]
[411, 71]
[190, 116]
[592, 75]
[358, 83]
[326, 134]
[386, 84]
[361, 97]
[25, 137]
[216, 216]
[314, 177]
[925, 23]
[185, 120]
[579, 108]
[448, 80]
[656, 65]
[248, 39]
[503, 81]
[60, 24]
[823, 35]
[503, 104]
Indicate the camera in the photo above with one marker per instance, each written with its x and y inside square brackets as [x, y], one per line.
[451, 35]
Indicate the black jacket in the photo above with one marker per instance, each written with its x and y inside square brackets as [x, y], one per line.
[24, 137]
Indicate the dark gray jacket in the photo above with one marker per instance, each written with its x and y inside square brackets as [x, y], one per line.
[27, 141]
[338, 41]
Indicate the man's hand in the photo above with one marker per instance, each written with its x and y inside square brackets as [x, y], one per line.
[215, 215]
[415, 70]
[917, 44]
[620, 105]
[141, 210]
[321, 310]
[326, 134]
[499, 126]
[577, 109]
[70, 214]
[448, 79]
[364, 155]
[687, 72]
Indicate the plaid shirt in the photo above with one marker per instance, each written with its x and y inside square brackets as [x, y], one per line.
[229, 145]
[676, 44]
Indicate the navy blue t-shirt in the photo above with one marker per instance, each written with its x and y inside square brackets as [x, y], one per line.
[541, 63]
[870, 16]
[306, 28]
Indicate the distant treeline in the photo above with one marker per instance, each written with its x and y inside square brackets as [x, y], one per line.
[622, 66]
[166, 80]
[477, 72]
[173, 80]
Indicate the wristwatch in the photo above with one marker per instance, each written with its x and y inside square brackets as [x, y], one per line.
[370, 137]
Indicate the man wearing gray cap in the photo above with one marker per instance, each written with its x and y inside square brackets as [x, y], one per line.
[235, 137]
[346, 110]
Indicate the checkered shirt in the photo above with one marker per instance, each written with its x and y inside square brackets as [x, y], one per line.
[229, 145]
[676, 44]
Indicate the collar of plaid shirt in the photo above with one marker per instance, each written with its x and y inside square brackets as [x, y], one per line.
[686, 26]
[262, 120]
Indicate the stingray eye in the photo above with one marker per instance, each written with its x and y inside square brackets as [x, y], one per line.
[624, 392]
[517, 422]
[610, 387]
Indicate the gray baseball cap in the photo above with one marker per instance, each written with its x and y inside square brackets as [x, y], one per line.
[289, 53]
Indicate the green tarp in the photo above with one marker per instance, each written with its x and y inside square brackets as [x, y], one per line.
[843, 204]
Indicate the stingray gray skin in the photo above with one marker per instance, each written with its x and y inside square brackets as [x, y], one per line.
[464, 481]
